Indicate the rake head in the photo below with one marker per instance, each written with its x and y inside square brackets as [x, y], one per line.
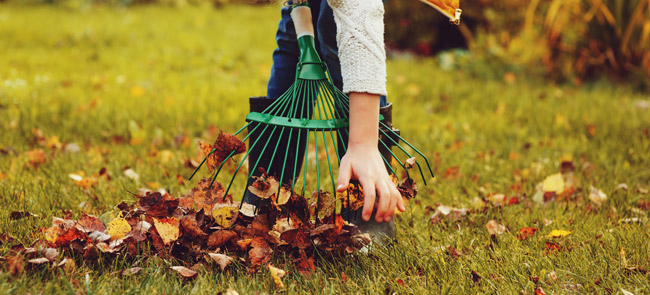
[311, 111]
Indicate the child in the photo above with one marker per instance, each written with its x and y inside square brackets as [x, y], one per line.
[349, 38]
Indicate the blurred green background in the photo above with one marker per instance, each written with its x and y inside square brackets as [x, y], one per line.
[573, 41]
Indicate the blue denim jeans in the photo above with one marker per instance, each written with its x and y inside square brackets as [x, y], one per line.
[285, 57]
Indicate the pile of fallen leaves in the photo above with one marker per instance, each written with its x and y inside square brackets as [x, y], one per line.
[207, 226]
[203, 226]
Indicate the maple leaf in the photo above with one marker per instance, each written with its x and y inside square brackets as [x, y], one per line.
[185, 272]
[223, 146]
[221, 259]
[16, 266]
[282, 198]
[130, 271]
[168, 229]
[277, 274]
[205, 197]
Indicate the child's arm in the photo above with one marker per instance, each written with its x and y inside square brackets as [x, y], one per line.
[363, 160]
[360, 38]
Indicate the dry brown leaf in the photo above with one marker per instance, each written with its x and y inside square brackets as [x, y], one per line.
[409, 163]
[38, 261]
[222, 260]
[185, 272]
[220, 238]
[89, 223]
[326, 203]
[495, 229]
[264, 187]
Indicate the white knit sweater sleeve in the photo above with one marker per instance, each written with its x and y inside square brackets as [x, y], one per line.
[360, 39]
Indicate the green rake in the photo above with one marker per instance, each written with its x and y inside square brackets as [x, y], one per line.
[311, 108]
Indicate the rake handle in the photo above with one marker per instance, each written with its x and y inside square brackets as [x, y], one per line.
[301, 16]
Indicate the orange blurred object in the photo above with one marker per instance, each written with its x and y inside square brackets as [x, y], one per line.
[449, 8]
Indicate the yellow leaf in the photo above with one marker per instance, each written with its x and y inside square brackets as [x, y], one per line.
[277, 275]
[52, 233]
[168, 229]
[553, 183]
[118, 228]
[559, 233]
[225, 215]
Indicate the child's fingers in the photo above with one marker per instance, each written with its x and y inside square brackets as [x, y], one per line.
[384, 201]
[369, 199]
[391, 208]
[400, 202]
[345, 172]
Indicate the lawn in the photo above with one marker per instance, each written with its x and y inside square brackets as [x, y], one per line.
[106, 88]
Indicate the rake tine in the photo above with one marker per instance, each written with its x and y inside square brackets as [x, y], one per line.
[407, 153]
[410, 156]
[199, 167]
[411, 146]
[217, 173]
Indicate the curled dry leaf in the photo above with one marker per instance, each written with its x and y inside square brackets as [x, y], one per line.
[222, 260]
[277, 274]
[326, 203]
[222, 147]
[51, 253]
[453, 214]
[410, 163]
[494, 228]
[597, 196]
[264, 186]
[185, 272]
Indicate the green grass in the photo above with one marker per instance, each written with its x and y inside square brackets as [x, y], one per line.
[155, 74]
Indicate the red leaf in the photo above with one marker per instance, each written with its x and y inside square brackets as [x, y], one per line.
[526, 233]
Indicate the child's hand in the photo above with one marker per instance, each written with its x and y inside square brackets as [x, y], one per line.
[364, 163]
